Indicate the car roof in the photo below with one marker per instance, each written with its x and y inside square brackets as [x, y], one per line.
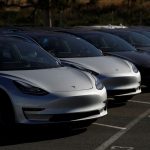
[46, 32]
[11, 38]
[80, 31]
[119, 31]
[139, 30]
[30, 32]
[125, 32]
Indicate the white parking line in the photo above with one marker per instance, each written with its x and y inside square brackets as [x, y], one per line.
[115, 137]
[139, 102]
[122, 148]
[115, 127]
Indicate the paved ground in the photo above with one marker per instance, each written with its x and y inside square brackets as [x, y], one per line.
[124, 128]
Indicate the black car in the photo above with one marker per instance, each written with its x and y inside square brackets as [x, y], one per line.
[138, 40]
[143, 31]
[113, 45]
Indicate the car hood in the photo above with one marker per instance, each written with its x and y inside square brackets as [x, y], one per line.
[139, 58]
[104, 65]
[63, 79]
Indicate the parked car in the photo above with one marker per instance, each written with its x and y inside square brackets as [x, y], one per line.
[115, 46]
[143, 31]
[120, 77]
[139, 41]
[35, 88]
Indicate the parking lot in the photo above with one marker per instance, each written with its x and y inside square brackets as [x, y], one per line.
[124, 128]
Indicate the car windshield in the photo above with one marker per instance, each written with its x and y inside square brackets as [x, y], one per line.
[136, 39]
[107, 42]
[16, 54]
[66, 46]
[145, 33]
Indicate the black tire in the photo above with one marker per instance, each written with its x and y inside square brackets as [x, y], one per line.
[6, 112]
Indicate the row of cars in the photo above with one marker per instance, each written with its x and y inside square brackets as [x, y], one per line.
[52, 75]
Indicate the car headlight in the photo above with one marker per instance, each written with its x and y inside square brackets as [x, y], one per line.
[29, 89]
[135, 70]
[98, 83]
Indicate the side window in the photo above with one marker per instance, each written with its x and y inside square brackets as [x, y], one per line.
[92, 40]
[127, 38]
[6, 53]
[55, 46]
[63, 49]
[97, 41]
[48, 43]
[25, 52]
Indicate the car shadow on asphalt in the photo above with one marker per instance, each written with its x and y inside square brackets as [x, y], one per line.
[113, 104]
[29, 134]
[146, 90]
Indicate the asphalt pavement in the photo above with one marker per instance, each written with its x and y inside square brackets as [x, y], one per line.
[126, 127]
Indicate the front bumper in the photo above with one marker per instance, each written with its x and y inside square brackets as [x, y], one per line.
[61, 107]
[124, 85]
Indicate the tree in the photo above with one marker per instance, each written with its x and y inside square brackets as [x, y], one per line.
[48, 7]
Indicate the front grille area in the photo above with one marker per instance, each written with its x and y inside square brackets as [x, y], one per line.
[110, 83]
[72, 116]
[119, 92]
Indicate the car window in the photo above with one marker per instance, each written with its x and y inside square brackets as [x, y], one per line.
[18, 54]
[146, 33]
[136, 39]
[107, 42]
[67, 46]
[126, 37]
[139, 39]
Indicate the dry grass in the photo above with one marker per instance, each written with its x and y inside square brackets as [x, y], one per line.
[146, 5]
[83, 1]
[106, 3]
